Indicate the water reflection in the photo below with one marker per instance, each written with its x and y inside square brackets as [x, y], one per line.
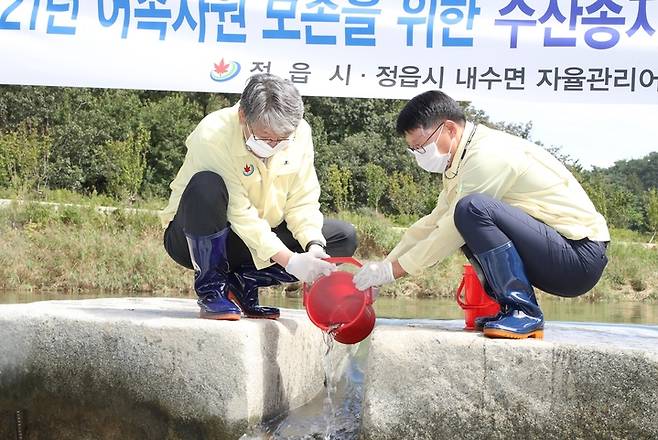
[554, 309]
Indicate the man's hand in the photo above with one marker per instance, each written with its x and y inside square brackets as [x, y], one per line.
[307, 267]
[374, 274]
[317, 251]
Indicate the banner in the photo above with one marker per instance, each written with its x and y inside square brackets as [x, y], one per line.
[600, 51]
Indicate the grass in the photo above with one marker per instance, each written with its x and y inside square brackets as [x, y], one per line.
[77, 249]
[626, 235]
[631, 274]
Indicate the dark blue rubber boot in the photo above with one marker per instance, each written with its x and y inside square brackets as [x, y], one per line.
[482, 320]
[208, 255]
[244, 283]
[504, 271]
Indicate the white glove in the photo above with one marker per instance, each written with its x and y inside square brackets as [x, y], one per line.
[307, 268]
[374, 274]
[317, 251]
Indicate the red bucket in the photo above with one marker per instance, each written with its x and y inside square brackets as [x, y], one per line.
[475, 303]
[333, 301]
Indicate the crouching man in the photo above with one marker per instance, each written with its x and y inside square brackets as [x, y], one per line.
[244, 210]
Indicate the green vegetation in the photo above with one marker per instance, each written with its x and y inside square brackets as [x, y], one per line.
[46, 248]
[127, 145]
[72, 248]
[122, 148]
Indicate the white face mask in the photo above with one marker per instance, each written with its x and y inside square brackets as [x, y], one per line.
[431, 160]
[262, 149]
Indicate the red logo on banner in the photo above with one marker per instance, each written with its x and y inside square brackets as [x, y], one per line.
[224, 71]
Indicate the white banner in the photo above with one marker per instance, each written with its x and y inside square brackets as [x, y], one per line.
[542, 50]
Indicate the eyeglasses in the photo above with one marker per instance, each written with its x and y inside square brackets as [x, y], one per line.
[421, 149]
[270, 141]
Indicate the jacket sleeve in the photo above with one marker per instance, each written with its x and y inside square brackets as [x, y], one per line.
[302, 210]
[254, 231]
[489, 174]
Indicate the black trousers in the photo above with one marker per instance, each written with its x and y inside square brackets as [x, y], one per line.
[202, 211]
[553, 263]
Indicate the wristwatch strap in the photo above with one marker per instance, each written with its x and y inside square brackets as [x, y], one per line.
[318, 242]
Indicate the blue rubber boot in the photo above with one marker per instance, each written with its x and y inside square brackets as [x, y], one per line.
[504, 271]
[208, 255]
[244, 283]
[482, 320]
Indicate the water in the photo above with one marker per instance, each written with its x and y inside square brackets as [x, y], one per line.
[330, 378]
[555, 309]
[335, 413]
[345, 402]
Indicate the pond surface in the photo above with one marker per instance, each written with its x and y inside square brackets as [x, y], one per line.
[554, 309]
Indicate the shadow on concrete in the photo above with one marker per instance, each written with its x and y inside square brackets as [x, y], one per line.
[275, 400]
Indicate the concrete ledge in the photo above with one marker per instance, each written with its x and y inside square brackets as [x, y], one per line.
[582, 381]
[149, 369]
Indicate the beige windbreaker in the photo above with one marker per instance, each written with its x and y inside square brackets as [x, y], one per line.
[261, 195]
[510, 169]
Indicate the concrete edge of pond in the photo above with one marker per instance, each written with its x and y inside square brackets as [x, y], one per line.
[148, 368]
[431, 380]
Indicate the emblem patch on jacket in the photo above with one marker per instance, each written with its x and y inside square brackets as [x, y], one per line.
[248, 169]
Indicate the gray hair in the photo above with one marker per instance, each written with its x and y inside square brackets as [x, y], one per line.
[269, 101]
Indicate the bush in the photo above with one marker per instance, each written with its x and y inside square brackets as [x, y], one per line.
[337, 184]
[23, 158]
[376, 235]
[376, 182]
[126, 164]
[404, 194]
[652, 211]
[70, 215]
[35, 215]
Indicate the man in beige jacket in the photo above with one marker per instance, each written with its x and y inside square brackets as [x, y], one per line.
[244, 209]
[517, 212]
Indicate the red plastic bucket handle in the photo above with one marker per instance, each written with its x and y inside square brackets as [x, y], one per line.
[463, 305]
[355, 262]
[458, 294]
[344, 260]
[347, 260]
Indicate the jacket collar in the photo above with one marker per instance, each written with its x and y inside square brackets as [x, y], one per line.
[236, 137]
[469, 130]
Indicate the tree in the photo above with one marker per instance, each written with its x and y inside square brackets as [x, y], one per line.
[93, 140]
[344, 117]
[652, 211]
[337, 185]
[84, 122]
[376, 181]
[24, 158]
[404, 194]
[624, 208]
[169, 121]
[126, 164]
